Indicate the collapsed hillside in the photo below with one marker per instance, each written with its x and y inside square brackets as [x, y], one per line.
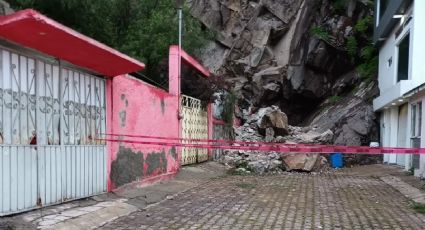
[313, 59]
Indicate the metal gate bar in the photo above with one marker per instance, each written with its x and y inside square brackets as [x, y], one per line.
[49, 118]
[194, 126]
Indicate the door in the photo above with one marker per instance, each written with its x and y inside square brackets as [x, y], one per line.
[50, 119]
[194, 127]
[416, 131]
[402, 133]
[393, 126]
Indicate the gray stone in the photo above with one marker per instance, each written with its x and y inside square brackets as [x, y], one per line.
[269, 134]
[272, 86]
[285, 10]
[300, 161]
[273, 117]
[257, 167]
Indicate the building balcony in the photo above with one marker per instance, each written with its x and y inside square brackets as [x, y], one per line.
[395, 95]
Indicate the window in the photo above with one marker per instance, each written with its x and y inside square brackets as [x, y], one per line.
[403, 59]
[382, 7]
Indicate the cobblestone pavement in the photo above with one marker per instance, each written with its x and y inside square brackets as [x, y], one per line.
[288, 201]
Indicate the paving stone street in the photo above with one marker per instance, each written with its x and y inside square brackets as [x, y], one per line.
[287, 201]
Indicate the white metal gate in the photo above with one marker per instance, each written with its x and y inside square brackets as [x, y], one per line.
[194, 126]
[50, 118]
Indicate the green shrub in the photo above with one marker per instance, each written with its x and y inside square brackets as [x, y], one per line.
[368, 68]
[352, 47]
[321, 33]
[418, 207]
[368, 52]
[340, 6]
[363, 25]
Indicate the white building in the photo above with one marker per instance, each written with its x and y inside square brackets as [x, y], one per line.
[399, 36]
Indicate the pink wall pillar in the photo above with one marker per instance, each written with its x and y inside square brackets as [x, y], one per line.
[109, 120]
[210, 128]
[173, 71]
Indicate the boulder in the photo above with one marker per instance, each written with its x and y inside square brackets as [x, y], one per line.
[285, 10]
[273, 117]
[304, 161]
[300, 161]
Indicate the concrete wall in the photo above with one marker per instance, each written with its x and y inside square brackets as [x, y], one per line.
[141, 109]
[390, 89]
[418, 54]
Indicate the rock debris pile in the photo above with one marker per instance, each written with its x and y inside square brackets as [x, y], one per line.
[270, 124]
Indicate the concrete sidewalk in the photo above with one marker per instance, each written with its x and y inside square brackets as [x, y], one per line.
[96, 211]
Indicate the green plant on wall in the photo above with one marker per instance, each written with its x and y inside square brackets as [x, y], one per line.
[321, 33]
[360, 48]
[352, 47]
[363, 24]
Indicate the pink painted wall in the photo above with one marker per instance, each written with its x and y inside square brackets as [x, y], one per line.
[141, 109]
[137, 108]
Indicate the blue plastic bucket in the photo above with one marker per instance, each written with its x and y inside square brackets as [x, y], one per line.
[336, 160]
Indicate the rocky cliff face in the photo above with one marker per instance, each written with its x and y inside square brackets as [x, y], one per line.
[296, 55]
[293, 54]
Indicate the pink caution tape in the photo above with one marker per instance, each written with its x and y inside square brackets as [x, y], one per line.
[264, 146]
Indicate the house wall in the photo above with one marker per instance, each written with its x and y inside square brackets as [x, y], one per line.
[402, 133]
[418, 54]
[393, 119]
[408, 160]
[419, 98]
[422, 157]
[392, 92]
[141, 109]
[390, 89]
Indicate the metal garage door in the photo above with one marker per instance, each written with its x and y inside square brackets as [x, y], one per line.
[50, 117]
